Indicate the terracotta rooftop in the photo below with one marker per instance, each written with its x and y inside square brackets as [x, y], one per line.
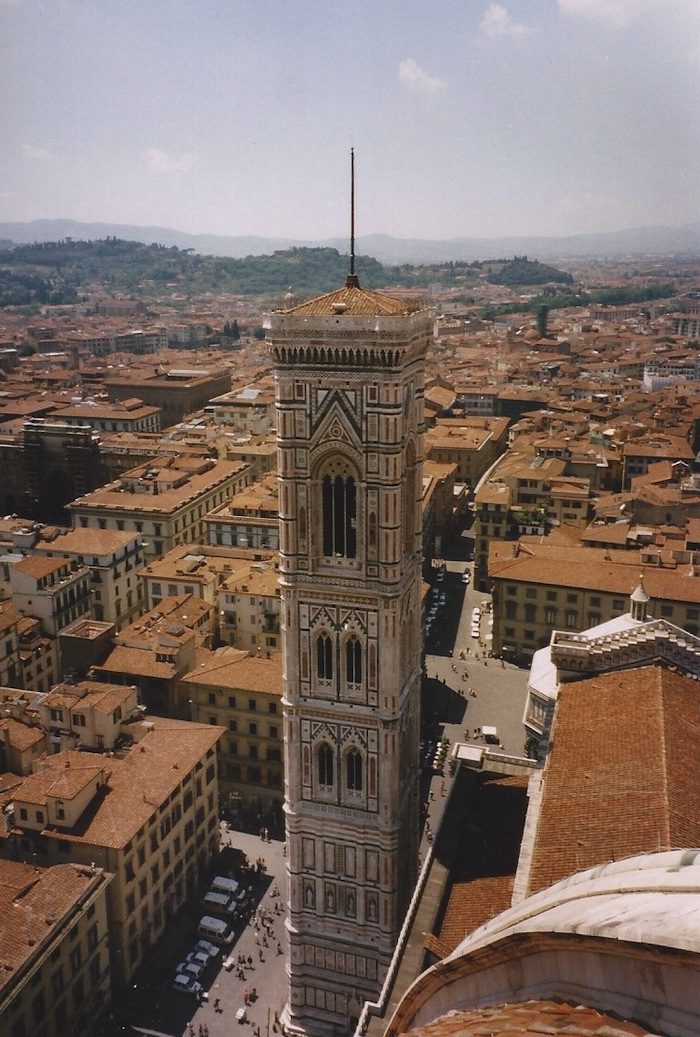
[530, 1019]
[483, 874]
[542, 561]
[33, 900]
[136, 784]
[623, 775]
[353, 301]
[235, 668]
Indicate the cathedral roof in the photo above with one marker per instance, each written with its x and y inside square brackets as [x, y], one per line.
[355, 302]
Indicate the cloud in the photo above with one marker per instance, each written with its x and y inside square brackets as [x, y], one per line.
[415, 78]
[161, 162]
[497, 23]
[617, 13]
[37, 154]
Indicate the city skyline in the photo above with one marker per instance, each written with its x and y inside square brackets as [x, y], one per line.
[554, 117]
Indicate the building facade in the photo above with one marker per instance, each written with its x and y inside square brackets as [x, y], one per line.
[349, 382]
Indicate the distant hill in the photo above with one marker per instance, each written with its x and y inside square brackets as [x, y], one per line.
[60, 272]
[639, 241]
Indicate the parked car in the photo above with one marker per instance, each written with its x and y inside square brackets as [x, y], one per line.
[186, 984]
[198, 958]
[189, 968]
[229, 962]
[206, 947]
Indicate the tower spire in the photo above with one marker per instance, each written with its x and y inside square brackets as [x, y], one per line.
[352, 279]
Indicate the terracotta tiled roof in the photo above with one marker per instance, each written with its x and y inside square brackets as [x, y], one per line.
[136, 784]
[18, 735]
[33, 901]
[614, 571]
[357, 302]
[529, 1019]
[623, 775]
[483, 875]
[236, 668]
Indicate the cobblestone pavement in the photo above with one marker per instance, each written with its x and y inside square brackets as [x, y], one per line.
[160, 1012]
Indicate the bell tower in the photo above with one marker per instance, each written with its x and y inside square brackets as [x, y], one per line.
[349, 369]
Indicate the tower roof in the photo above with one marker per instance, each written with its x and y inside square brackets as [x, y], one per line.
[356, 302]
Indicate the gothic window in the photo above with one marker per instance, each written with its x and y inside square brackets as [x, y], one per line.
[302, 525]
[325, 765]
[324, 657]
[353, 771]
[339, 516]
[353, 661]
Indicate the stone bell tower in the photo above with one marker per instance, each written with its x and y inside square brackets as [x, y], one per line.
[349, 370]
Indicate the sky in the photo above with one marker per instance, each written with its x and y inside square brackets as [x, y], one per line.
[236, 117]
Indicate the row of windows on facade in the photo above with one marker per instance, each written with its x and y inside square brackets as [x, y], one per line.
[254, 776]
[272, 754]
[212, 700]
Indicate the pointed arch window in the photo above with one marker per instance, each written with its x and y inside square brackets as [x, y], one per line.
[324, 658]
[353, 661]
[339, 516]
[353, 771]
[325, 765]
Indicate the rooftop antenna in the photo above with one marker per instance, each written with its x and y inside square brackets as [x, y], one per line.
[352, 279]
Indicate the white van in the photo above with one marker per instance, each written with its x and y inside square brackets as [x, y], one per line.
[215, 930]
[220, 884]
[219, 904]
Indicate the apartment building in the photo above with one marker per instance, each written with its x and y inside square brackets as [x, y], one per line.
[164, 501]
[249, 519]
[176, 393]
[250, 409]
[249, 608]
[539, 586]
[22, 740]
[202, 571]
[527, 495]
[242, 692]
[39, 656]
[473, 444]
[639, 454]
[10, 666]
[260, 452]
[124, 416]
[55, 590]
[147, 813]
[155, 651]
[112, 558]
[87, 714]
[442, 506]
[54, 947]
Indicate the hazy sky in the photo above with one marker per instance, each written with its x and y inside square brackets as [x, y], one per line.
[237, 116]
